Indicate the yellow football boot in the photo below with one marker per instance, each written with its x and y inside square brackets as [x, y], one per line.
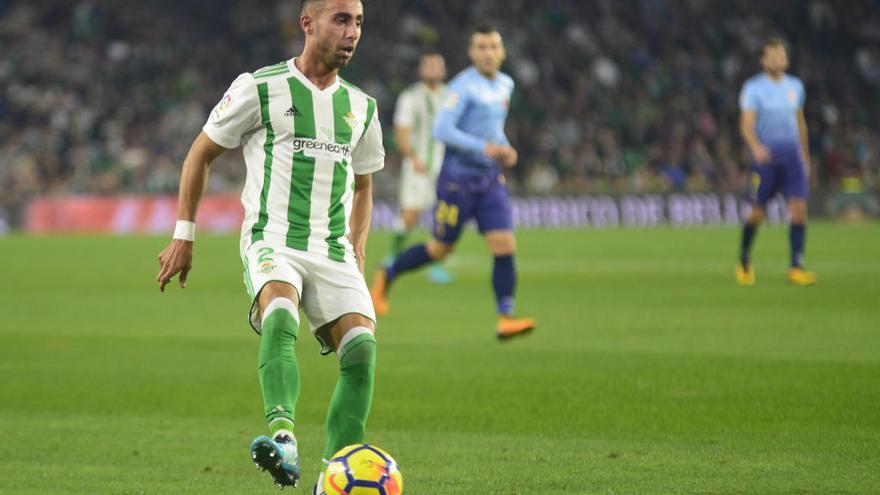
[799, 276]
[745, 275]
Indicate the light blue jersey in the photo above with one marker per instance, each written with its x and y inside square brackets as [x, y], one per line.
[472, 115]
[775, 104]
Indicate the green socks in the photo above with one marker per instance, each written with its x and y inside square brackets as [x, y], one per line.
[280, 380]
[398, 238]
[279, 371]
[350, 405]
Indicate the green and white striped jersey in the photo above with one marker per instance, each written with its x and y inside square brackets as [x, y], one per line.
[416, 108]
[302, 148]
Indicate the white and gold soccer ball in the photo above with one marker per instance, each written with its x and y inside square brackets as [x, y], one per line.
[362, 469]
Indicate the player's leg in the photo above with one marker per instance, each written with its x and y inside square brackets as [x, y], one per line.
[453, 209]
[414, 258]
[796, 191]
[495, 221]
[352, 338]
[338, 305]
[411, 205]
[278, 367]
[274, 283]
[409, 218]
[279, 381]
[761, 190]
[745, 273]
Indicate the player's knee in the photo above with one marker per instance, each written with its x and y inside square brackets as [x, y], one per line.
[280, 319]
[438, 251]
[409, 218]
[757, 215]
[358, 346]
[502, 244]
[798, 212]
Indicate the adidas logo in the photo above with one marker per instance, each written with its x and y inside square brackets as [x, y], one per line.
[292, 112]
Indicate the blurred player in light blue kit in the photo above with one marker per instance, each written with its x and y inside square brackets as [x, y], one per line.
[471, 184]
[773, 126]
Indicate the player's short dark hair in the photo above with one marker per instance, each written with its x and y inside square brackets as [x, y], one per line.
[485, 29]
[305, 3]
[772, 42]
[430, 51]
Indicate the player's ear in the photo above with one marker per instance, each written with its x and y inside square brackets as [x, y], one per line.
[306, 23]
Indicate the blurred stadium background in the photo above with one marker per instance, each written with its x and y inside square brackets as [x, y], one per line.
[617, 102]
[651, 371]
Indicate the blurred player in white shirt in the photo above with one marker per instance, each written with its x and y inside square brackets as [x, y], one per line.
[422, 153]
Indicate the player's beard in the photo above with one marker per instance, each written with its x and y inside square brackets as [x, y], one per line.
[330, 57]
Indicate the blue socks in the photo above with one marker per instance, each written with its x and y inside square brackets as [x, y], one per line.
[411, 259]
[504, 283]
[503, 274]
[748, 236]
[797, 235]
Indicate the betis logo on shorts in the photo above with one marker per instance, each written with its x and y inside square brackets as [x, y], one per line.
[264, 259]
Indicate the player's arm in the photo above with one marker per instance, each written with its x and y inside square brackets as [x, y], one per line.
[403, 122]
[361, 216]
[236, 115]
[748, 106]
[804, 133]
[446, 128]
[177, 256]
[747, 121]
[367, 158]
[403, 138]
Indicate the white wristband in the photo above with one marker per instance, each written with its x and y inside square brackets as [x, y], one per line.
[185, 230]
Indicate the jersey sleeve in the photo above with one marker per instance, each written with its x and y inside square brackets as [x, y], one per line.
[802, 94]
[510, 81]
[368, 155]
[446, 124]
[404, 111]
[236, 115]
[748, 99]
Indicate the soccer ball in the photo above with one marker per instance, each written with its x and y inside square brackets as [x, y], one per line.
[362, 469]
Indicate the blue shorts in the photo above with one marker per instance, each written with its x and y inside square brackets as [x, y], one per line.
[785, 173]
[464, 193]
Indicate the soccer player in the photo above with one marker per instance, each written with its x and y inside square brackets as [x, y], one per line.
[310, 142]
[422, 152]
[471, 184]
[773, 126]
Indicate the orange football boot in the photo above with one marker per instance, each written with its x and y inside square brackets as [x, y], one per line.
[509, 327]
[378, 292]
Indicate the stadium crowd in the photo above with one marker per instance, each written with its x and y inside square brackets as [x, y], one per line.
[105, 97]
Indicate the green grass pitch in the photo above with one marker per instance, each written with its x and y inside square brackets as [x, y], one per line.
[651, 372]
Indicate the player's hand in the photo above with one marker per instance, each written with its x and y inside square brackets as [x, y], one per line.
[510, 157]
[419, 167]
[497, 152]
[360, 253]
[761, 154]
[174, 259]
